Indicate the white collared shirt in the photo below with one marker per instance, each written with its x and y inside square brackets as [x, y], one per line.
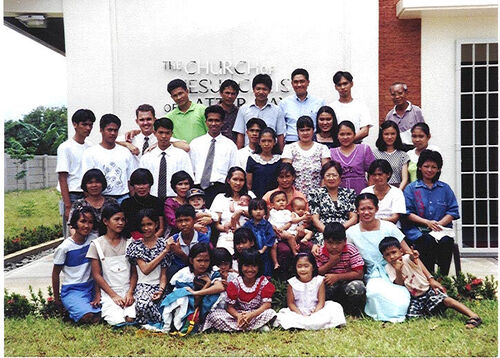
[225, 157]
[176, 158]
[138, 141]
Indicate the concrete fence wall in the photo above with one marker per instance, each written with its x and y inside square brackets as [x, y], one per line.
[40, 173]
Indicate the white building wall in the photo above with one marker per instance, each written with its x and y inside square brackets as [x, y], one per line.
[439, 76]
[115, 48]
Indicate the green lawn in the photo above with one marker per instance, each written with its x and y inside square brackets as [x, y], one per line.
[30, 208]
[437, 336]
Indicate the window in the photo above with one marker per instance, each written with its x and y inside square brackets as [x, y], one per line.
[478, 116]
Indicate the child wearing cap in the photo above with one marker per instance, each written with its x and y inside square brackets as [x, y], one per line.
[204, 218]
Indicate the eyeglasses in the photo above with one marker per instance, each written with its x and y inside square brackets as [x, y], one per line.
[332, 176]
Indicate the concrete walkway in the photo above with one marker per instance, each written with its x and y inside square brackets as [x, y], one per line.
[38, 273]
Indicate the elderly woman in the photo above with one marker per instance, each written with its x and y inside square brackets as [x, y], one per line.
[391, 199]
[431, 207]
[93, 184]
[331, 203]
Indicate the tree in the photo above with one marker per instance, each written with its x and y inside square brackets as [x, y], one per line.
[39, 132]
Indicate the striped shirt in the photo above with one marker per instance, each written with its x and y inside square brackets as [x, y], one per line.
[70, 255]
[350, 260]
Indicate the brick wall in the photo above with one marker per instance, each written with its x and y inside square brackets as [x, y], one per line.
[399, 55]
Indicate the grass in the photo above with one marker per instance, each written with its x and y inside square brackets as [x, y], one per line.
[436, 336]
[30, 208]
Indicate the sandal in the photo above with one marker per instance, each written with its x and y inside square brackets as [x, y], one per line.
[473, 322]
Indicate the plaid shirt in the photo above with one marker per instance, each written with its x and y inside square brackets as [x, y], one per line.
[350, 260]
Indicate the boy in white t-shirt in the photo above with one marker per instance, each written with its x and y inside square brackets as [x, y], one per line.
[428, 296]
[69, 162]
[115, 161]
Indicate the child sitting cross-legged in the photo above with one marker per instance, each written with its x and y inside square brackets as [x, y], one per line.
[428, 296]
[248, 298]
[342, 266]
[305, 295]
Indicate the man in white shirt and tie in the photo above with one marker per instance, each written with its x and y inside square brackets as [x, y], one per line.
[138, 141]
[165, 159]
[212, 155]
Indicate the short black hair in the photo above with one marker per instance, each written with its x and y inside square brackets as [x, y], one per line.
[304, 122]
[221, 255]
[185, 210]
[334, 232]
[145, 108]
[387, 242]
[428, 155]
[285, 168]
[197, 249]
[241, 235]
[79, 211]
[348, 124]
[179, 176]
[251, 257]
[424, 127]
[163, 122]
[398, 143]
[310, 257]
[339, 74]
[366, 196]
[381, 164]
[83, 115]
[300, 71]
[256, 121]
[176, 84]
[275, 194]
[256, 204]
[108, 119]
[147, 213]
[264, 79]
[330, 164]
[229, 83]
[141, 176]
[215, 109]
[93, 174]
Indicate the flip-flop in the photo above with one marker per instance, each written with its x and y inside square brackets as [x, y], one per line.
[474, 322]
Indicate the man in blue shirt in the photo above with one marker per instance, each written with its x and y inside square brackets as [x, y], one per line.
[300, 104]
[263, 109]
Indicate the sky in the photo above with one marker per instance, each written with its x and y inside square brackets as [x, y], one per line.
[33, 75]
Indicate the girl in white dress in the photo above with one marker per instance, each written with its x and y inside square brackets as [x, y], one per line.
[307, 308]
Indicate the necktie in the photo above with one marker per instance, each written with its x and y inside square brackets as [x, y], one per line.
[146, 144]
[207, 170]
[162, 178]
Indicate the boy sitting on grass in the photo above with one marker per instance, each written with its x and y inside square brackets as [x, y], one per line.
[182, 242]
[342, 266]
[428, 296]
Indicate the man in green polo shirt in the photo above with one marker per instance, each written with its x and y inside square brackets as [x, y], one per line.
[188, 117]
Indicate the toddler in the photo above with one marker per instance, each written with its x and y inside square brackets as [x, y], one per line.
[239, 211]
[427, 295]
[223, 260]
[264, 233]
[244, 238]
[204, 218]
[285, 222]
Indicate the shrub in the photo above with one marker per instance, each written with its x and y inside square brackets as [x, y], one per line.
[16, 305]
[279, 297]
[468, 286]
[32, 237]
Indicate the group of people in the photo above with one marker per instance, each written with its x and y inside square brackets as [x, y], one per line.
[180, 225]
